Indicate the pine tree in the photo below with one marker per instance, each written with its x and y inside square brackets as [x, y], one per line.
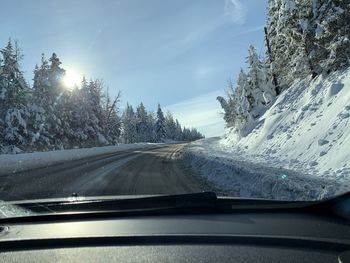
[55, 77]
[308, 37]
[129, 125]
[229, 105]
[143, 129]
[13, 89]
[151, 123]
[332, 34]
[78, 116]
[178, 131]
[253, 94]
[48, 116]
[260, 91]
[160, 126]
[97, 122]
[238, 107]
[113, 122]
[291, 38]
[41, 85]
[56, 127]
[170, 126]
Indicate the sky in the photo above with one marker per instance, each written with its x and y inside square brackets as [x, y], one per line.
[178, 53]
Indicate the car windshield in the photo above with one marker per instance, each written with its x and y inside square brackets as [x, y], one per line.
[246, 99]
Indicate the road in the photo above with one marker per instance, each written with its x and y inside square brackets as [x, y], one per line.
[133, 172]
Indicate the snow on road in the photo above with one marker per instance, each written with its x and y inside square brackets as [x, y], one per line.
[10, 163]
[299, 149]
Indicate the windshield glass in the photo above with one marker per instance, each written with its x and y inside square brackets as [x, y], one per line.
[246, 99]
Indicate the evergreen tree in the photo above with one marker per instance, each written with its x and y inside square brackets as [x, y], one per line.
[129, 125]
[96, 123]
[79, 116]
[308, 37]
[160, 131]
[49, 116]
[41, 85]
[251, 97]
[13, 89]
[151, 123]
[178, 131]
[332, 34]
[113, 122]
[55, 77]
[56, 128]
[259, 91]
[170, 126]
[12, 83]
[143, 129]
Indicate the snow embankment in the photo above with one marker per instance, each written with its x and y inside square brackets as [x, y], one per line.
[303, 141]
[12, 163]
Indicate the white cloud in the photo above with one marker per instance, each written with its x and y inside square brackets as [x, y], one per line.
[202, 112]
[236, 11]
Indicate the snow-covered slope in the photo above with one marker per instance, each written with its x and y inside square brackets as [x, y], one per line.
[306, 130]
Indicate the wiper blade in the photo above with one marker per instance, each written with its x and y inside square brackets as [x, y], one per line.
[105, 208]
[196, 203]
[193, 200]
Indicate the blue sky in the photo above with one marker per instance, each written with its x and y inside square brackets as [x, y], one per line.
[179, 53]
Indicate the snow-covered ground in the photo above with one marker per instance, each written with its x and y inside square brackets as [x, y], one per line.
[300, 147]
[10, 163]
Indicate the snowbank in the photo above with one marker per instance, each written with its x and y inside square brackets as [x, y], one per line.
[235, 175]
[306, 130]
[10, 163]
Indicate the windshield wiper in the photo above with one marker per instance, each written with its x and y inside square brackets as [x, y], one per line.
[205, 202]
[193, 200]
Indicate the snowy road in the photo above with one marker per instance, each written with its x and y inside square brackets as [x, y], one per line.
[144, 171]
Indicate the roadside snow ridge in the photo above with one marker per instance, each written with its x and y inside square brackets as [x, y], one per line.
[307, 129]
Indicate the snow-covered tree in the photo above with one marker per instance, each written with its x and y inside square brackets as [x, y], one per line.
[143, 127]
[12, 83]
[160, 131]
[95, 125]
[330, 23]
[41, 85]
[38, 136]
[170, 126]
[112, 127]
[53, 105]
[259, 89]
[151, 121]
[48, 116]
[253, 94]
[13, 89]
[308, 37]
[129, 125]
[178, 131]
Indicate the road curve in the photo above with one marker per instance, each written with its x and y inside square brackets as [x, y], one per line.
[134, 172]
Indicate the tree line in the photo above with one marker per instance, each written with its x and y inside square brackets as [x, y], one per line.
[48, 116]
[303, 38]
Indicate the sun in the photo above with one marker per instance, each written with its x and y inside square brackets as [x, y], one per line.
[72, 79]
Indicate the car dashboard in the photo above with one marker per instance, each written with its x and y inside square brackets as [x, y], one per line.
[241, 236]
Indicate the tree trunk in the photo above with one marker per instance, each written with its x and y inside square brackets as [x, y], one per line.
[274, 78]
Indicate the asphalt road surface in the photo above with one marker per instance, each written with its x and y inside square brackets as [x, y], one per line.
[133, 172]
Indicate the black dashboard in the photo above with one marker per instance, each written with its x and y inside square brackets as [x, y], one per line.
[249, 236]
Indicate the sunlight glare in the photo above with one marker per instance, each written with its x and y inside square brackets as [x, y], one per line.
[71, 79]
